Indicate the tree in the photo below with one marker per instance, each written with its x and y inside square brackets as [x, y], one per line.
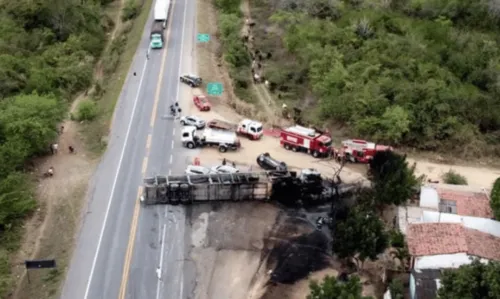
[423, 74]
[397, 289]
[399, 246]
[331, 288]
[473, 281]
[393, 180]
[360, 235]
[495, 199]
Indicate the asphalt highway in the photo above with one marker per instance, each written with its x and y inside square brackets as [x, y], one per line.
[125, 250]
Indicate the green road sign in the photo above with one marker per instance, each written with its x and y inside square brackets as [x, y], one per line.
[215, 89]
[203, 38]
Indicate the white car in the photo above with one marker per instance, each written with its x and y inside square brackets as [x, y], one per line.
[193, 121]
[195, 169]
[224, 169]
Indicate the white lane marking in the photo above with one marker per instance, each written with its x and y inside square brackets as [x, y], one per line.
[111, 196]
[160, 266]
[180, 66]
[182, 49]
[172, 144]
[171, 158]
[169, 172]
[173, 132]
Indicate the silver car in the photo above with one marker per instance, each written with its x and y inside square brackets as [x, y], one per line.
[195, 169]
[224, 169]
[193, 121]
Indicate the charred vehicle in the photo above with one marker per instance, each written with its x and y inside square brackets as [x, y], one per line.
[266, 162]
[306, 187]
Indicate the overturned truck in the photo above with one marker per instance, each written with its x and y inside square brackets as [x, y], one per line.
[290, 188]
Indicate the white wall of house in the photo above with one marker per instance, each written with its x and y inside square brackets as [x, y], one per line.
[444, 261]
[429, 198]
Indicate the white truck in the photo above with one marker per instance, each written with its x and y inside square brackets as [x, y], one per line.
[161, 11]
[224, 140]
[247, 127]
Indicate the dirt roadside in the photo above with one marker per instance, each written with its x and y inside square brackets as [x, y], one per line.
[50, 233]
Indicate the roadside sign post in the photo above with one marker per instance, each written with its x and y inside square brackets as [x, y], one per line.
[215, 89]
[203, 37]
[38, 264]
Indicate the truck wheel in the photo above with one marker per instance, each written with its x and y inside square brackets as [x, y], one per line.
[294, 148]
[222, 149]
[286, 146]
[190, 145]
[315, 154]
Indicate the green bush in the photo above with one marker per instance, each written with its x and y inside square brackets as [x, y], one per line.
[5, 278]
[131, 10]
[87, 110]
[454, 178]
[397, 289]
[495, 199]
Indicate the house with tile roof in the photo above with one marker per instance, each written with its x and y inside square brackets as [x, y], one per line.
[449, 245]
[445, 245]
[457, 200]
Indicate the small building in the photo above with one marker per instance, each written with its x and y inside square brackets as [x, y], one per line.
[449, 245]
[446, 199]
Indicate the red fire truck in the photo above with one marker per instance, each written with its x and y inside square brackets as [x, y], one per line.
[311, 141]
[360, 151]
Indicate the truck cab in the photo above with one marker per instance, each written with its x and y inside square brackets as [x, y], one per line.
[250, 128]
[189, 138]
[157, 36]
[360, 151]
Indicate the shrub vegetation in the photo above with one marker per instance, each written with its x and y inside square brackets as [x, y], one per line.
[419, 73]
[47, 53]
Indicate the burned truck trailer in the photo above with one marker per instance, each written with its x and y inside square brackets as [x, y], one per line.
[283, 187]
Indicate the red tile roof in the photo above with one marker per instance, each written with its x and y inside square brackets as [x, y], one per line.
[449, 238]
[475, 204]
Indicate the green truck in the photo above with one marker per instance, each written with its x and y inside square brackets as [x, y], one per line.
[156, 36]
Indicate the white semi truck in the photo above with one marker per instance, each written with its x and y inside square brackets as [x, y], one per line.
[161, 11]
[224, 140]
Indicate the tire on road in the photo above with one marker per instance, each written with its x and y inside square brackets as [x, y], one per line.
[222, 148]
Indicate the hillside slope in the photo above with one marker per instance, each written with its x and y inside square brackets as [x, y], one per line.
[420, 73]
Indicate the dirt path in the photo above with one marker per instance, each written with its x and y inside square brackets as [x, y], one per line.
[60, 200]
[263, 95]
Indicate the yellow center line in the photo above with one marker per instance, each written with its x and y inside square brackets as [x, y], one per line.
[135, 217]
[144, 165]
[148, 141]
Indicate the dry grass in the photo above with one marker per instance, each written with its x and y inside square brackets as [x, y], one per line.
[211, 65]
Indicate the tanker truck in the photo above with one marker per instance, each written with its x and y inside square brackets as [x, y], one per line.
[306, 187]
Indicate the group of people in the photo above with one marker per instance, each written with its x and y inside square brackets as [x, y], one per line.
[54, 148]
[174, 108]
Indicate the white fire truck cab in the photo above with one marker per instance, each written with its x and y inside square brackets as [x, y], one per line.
[250, 128]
